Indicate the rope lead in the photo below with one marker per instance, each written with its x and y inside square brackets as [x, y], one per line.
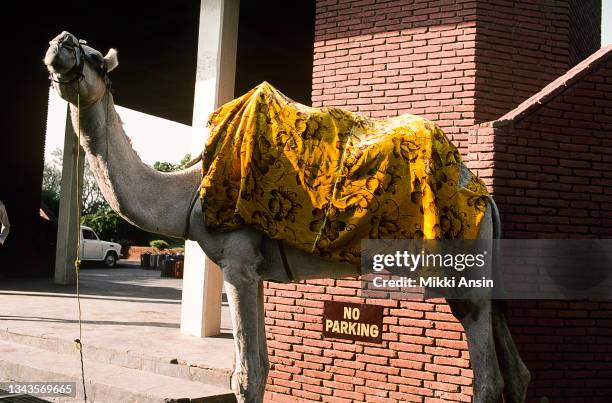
[77, 261]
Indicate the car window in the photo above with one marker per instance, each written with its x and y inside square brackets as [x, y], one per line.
[88, 234]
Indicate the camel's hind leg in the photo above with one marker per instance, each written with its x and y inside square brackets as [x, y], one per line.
[241, 264]
[515, 373]
[475, 316]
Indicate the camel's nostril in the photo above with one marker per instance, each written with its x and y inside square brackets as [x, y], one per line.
[50, 56]
[58, 60]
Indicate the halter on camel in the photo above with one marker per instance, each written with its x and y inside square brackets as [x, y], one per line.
[81, 55]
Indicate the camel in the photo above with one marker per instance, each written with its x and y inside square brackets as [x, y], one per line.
[245, 256]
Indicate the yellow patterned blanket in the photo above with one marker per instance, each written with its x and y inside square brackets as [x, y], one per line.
[322, 179]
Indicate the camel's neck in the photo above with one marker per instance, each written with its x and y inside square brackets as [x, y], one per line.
[154, 201]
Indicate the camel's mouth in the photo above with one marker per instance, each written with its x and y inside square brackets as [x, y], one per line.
[61, 57]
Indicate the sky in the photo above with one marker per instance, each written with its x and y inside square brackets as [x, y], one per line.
[157, 139]
[153, 138]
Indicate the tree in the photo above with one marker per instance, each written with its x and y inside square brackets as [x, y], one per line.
[96, 213]
[105, 222]
[164, 166]
[92, 199]
[185, 160]
[52, 173]
[51, 181]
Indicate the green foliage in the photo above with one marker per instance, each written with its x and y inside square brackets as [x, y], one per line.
[96, 213]
[51, 181]
[164, 166]
[110, 226]
[185, 160]
[159, 244]
[92, 199]
[51, 200]
[106, 223]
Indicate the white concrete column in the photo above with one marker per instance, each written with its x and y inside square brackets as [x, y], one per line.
[70, 200]
[215, 75]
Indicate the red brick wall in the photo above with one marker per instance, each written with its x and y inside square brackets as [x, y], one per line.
[380, 58]
[551, 175]
[423, 354]
[584, 29]
[553, 169]
[567, 346]
[384, 58]
[522, 46]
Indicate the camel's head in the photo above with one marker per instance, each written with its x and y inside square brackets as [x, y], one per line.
[75, 67]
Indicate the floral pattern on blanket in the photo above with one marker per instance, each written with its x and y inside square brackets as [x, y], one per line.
[323, 179]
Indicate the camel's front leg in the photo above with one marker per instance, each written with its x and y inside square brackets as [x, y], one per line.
[475, 316]
[240, 264]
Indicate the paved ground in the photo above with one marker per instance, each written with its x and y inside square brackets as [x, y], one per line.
[125, 309]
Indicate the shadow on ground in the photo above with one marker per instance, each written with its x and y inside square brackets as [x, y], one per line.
[126, 281]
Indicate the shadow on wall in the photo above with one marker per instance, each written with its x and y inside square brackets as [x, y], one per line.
[275, 44]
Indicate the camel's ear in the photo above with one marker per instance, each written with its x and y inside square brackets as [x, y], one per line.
[110, 60]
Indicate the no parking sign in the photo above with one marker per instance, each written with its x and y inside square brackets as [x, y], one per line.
[343, 320]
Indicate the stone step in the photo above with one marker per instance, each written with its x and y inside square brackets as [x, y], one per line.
[211, 373]
[105, 382]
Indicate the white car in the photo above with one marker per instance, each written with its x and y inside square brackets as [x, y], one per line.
[92, 248]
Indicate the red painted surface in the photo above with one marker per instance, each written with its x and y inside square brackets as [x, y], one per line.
[549, 165]
[462, 63]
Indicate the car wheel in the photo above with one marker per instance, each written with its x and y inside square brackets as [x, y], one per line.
[110, 260]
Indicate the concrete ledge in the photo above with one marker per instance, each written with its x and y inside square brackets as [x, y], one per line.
[205, 373]
[131, 321]
[104, 382]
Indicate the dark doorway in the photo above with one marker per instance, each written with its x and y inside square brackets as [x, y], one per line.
[157, 46]
[275, 44]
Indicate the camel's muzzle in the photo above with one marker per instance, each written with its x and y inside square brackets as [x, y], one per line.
[71, 68]
[58, 62]
[58, 58]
